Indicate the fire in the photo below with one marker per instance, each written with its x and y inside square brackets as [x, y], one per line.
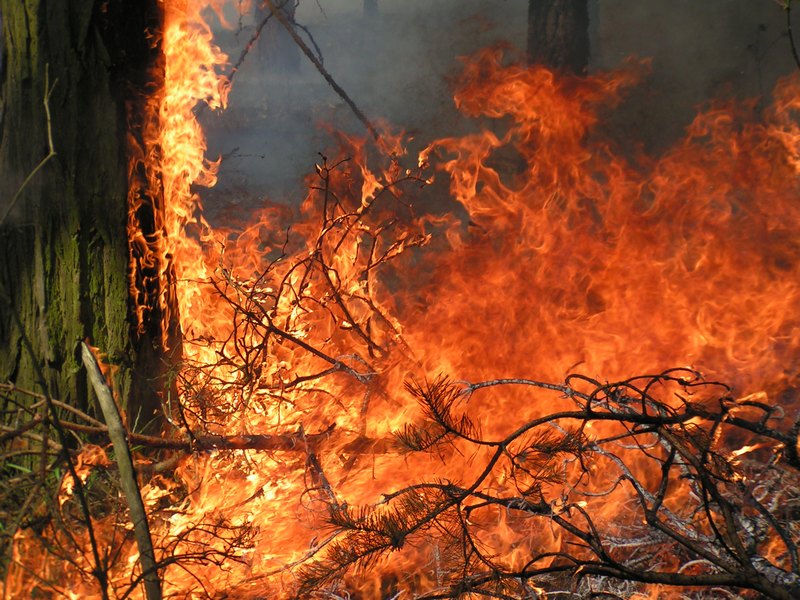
[685, 261]
[576, 258]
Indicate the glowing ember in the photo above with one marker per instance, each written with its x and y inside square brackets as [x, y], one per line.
[578, 259]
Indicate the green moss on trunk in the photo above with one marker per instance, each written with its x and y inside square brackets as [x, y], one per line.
[64, 244]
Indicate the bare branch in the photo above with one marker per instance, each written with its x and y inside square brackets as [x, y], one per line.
[127, 472]
[323, 71]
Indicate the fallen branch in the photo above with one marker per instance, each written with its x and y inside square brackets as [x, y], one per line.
[298, 441]
[127, 474]
[280, 442]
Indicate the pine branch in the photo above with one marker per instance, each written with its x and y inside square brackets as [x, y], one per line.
[657, 447]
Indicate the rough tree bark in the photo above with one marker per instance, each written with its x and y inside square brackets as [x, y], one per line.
[64, 257]
[558, 34]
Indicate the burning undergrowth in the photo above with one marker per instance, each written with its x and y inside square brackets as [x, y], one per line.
[354, 415]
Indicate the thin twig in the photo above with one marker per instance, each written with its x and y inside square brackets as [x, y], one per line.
[788, 8]
[48, 90]
[248, 47]
[10, 387]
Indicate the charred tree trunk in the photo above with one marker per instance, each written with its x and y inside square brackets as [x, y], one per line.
[558, 34]
[65, 259]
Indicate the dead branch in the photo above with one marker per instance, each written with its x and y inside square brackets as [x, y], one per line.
[323, 71]
[298, 441]
[788, 9]
[10, 387]
[248, 48]
[12, 432]
[127, 472]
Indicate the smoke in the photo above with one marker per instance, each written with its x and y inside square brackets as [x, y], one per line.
[395, 65]
[699, 51]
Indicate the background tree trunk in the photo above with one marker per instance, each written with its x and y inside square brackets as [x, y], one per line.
[277, 49]
[370, 8]
[558, 34]
[64, 248]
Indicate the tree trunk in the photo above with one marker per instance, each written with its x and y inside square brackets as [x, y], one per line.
[64, 269]
[370, 8]
[558, 34]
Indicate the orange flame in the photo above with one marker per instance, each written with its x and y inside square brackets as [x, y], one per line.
[575, 254]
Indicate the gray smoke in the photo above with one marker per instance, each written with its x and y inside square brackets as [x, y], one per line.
[395, 65]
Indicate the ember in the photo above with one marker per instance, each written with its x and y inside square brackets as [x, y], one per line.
[375, 401]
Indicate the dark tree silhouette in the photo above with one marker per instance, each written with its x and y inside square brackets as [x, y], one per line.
[558, 34]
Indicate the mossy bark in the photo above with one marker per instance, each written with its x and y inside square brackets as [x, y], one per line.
[64, 257]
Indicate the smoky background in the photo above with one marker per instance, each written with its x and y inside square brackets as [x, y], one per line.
[397, 62]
